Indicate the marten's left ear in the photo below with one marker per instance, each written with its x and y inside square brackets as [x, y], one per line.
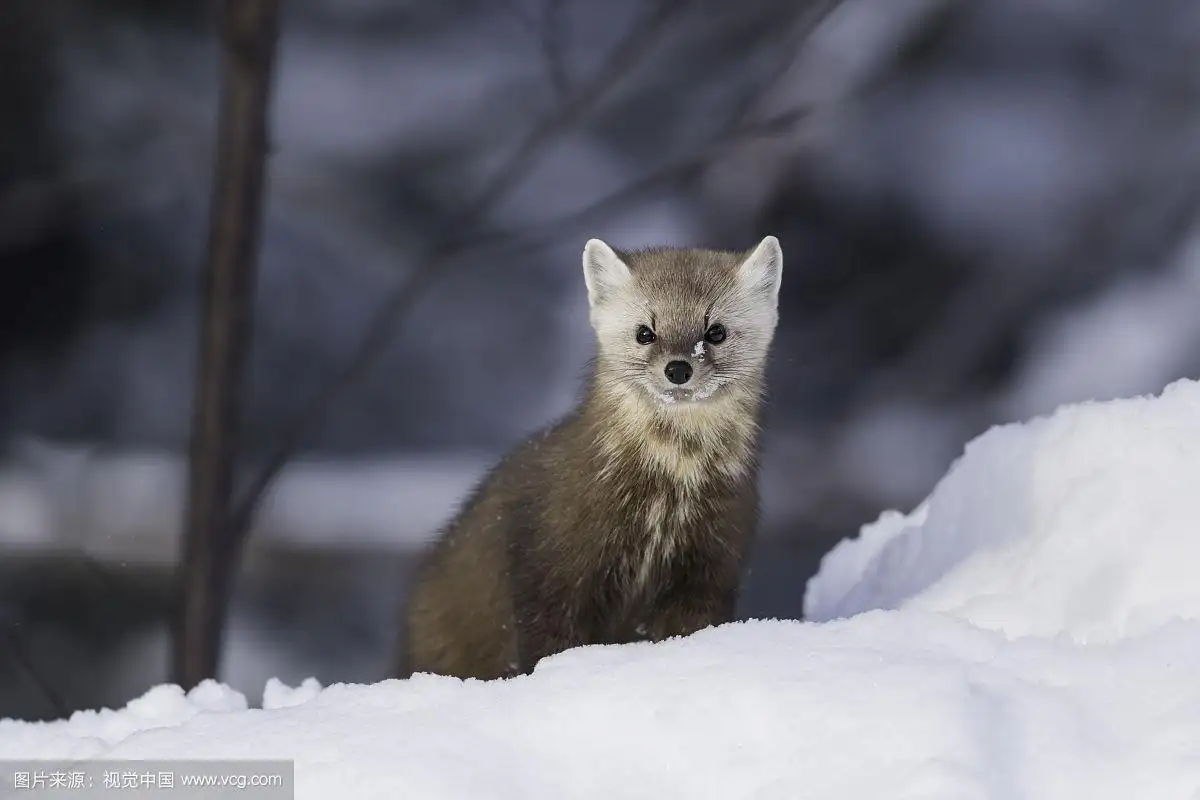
[603, 271]
[762, 270]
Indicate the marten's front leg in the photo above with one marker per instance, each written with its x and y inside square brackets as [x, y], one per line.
[547, 616]
[697, 596]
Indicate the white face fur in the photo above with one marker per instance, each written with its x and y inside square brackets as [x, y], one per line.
[683, 328]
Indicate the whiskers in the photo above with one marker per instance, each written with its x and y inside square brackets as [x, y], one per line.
[627, 371]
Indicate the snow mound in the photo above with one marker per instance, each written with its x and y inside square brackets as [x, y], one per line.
[1084, 524]
[889, 704]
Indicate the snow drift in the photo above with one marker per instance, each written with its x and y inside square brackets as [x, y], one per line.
[1085, 524]
[1032, 630]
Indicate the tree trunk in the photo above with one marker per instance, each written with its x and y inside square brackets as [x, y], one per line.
[211, 548]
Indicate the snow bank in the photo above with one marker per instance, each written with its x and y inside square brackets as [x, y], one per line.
[1043, 642]
[895, 705]
[1082, 524]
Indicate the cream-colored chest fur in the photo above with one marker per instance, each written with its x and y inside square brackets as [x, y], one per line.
[665, 519]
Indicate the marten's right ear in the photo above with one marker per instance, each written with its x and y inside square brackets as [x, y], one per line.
[603, 271]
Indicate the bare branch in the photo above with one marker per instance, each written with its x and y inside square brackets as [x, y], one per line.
[211, 548]
[620, 62]
[737, 130]
[809, 20]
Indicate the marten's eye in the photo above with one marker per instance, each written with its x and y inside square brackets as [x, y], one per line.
[715, 333]
[645, 335]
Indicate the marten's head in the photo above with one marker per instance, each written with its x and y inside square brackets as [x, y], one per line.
[683, 329]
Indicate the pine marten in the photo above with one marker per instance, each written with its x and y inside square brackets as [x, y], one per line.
[630, 518]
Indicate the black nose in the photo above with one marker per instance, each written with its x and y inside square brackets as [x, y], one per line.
[678, 372]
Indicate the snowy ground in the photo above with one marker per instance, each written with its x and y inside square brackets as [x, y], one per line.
[1031, 631]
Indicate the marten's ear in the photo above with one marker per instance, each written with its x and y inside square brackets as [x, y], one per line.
[762, 270]
[603, 271]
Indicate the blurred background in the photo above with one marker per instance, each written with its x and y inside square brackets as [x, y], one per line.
[987, 208]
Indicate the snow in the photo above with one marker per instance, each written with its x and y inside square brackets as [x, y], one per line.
[1031, 630]
[1079, 525]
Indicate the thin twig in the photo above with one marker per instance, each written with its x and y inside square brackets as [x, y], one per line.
[547, 28]
[812, 18]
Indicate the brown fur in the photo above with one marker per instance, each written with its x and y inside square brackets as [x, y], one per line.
[627, 520]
